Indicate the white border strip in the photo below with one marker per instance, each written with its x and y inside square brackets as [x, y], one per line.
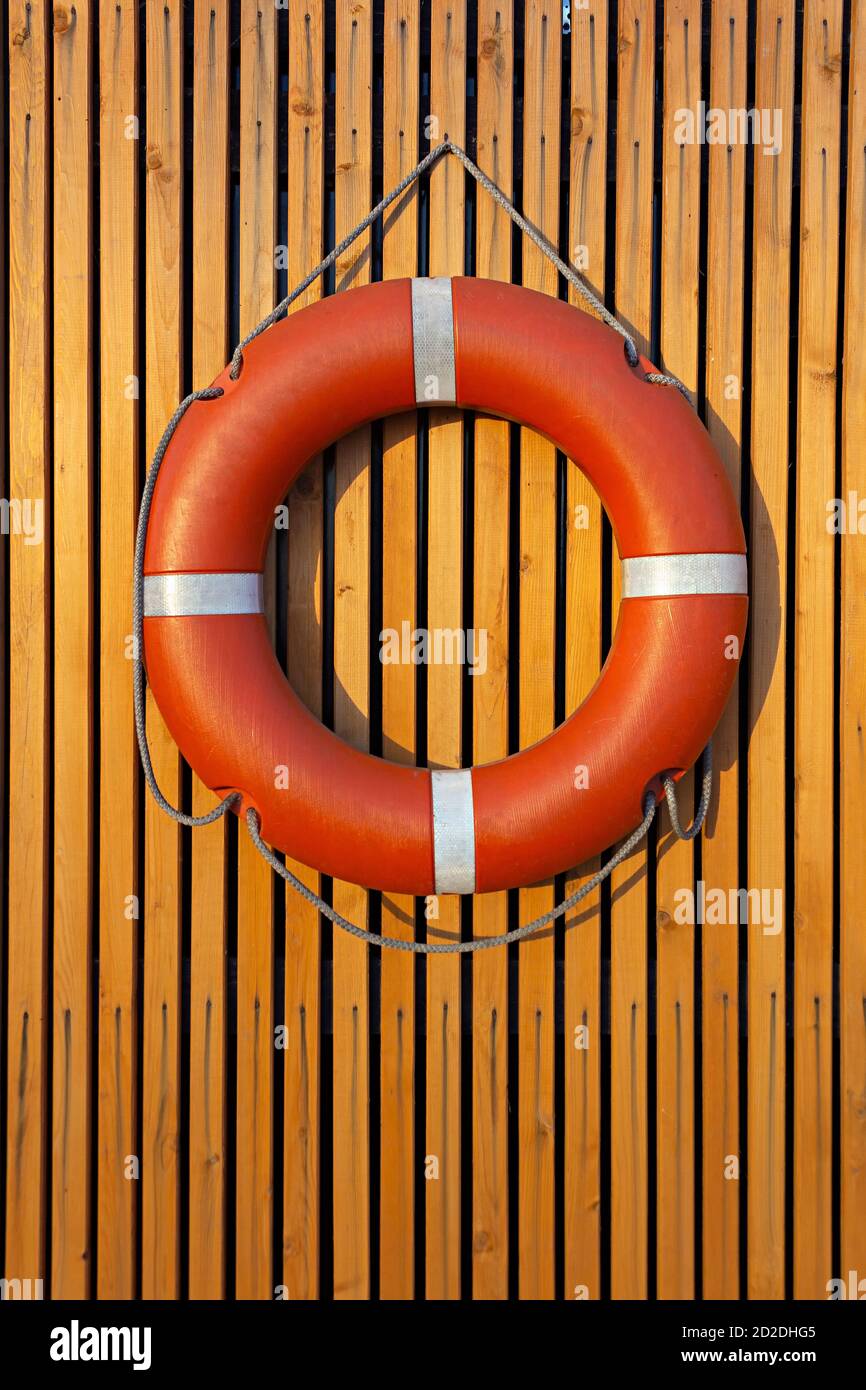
[433, 341]
[201, 595]
[453, 832]
[664, 576]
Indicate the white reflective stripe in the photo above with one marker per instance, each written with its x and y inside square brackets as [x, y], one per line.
[662, 576]
[453, 832]
[200, 595]
[433, 341]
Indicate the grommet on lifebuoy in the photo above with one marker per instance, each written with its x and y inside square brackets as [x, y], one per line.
[503, 350]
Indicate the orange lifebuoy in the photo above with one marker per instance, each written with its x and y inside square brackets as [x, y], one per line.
[490, 347]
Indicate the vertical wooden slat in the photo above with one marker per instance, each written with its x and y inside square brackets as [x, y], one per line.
[814, 646]
[353, 152]
[399, 559]
[628, 1008]
[852, 1020]
[719, 865]
[771, 269]
[490, 691]
[675, 1008]
[119, 145]
[163, 308]
[537, 598]
[73, 650]
[29, 387]
[255, 1054]
[303, 956]
[444, 683]
[207, 1051]
[583, 1020]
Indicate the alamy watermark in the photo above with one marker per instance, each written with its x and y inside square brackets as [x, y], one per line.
[437, 646]
[852, 1287]
[22, 1289]
[23, 516]
[77, 1343]
[736, 126]
[719, 907]
[846, 516]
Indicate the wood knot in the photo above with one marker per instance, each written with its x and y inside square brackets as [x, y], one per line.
[154, 158]
[824, 377]
[480, 1242]
[544, 1127]
[61, 19]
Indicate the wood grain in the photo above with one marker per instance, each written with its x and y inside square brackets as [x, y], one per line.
[582, 1033]
[255, 1048]
[490, 691]
[852, 1019]
[72, 508]
[722, 1172]
[353, 149]
[117, 1133]
[444, 683]
[537, 607]
[29, 637]
[675, 940]
[628, 927]
[399, 605]
[209, 898]
[814, 620]
[771, 268]
[301, 1148]
[161, 1003]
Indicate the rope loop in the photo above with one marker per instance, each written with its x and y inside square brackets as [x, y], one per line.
[704, 803]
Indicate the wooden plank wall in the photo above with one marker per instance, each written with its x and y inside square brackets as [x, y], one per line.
[205, 1092]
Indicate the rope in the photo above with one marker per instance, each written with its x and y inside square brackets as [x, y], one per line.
[484, 943]
[449, 147]
[446, 948]
[665, 379]
[211, 393]
[703, 805]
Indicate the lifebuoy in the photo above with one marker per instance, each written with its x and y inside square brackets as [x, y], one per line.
[490, 347]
